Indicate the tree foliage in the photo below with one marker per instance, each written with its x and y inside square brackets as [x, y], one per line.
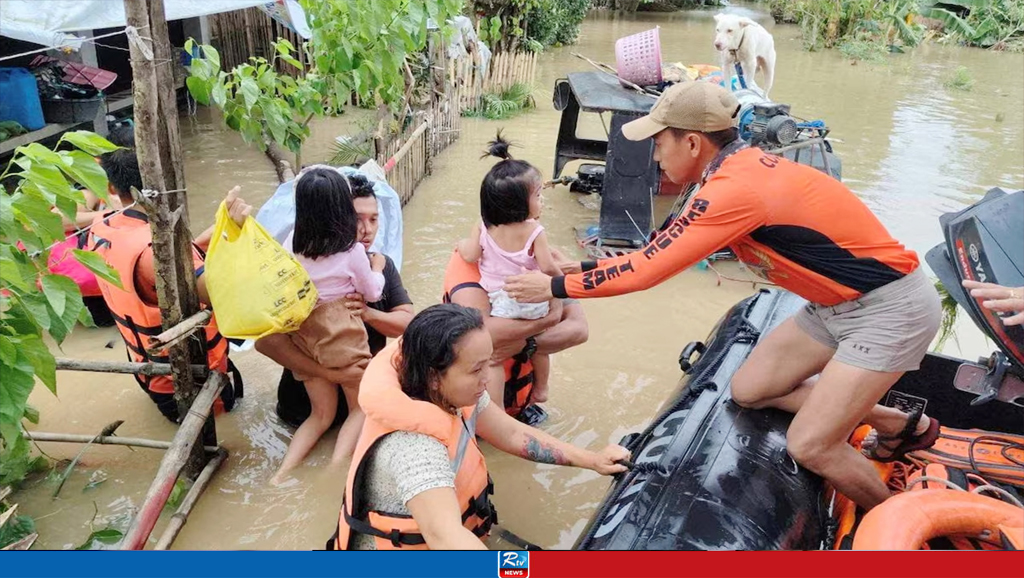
[358, 48]
[34, 301]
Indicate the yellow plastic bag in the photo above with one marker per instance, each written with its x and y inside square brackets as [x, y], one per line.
[256, 287]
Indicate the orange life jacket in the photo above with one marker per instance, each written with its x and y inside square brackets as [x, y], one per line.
[121, 239]
[518, 383]
[388, 410]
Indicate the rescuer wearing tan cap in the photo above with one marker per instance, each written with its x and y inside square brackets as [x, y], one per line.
[872, 312]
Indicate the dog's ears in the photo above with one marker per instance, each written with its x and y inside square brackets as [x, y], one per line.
[744, 21]
[718, 17]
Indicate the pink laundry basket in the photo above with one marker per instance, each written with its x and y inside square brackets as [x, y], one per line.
[638, 58]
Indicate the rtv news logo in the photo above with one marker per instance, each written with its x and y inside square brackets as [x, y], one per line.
[513, 564]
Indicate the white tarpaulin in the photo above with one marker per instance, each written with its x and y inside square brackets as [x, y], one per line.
[48, 23]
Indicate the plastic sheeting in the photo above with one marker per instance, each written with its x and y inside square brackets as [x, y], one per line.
[277, 215]
[48, 23]
[465, 35]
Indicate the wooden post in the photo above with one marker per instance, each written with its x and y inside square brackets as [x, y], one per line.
[159, 150]
[176, 458]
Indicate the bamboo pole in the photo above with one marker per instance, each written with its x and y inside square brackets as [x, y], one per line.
[127, 367]
[159, 150]
[8, 515]
[250, 43]
[179, 332]
[180, 517]
[40, 436]
[176, 458]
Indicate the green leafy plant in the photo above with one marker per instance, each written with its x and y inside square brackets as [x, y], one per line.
[996, 24]
[32, 300]
[104, 536]
[177, 495]
[959, 79]
[257, 101]
[15, 528]
[490, 29]
[358, 48]
[865, 50]
[831, 23]
[346, 151]
[10, 128]
[504, 104]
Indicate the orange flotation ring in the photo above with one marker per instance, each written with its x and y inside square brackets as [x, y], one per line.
[907, 521]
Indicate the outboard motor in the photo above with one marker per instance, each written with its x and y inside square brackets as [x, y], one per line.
[985, 242]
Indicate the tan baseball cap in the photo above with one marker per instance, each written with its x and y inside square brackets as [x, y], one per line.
[693, 105]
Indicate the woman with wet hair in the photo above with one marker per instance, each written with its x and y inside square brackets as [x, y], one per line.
[418, 478]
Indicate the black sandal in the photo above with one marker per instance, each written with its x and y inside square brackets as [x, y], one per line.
[908, 441]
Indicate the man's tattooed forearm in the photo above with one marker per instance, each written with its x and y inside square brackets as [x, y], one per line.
[536, 451]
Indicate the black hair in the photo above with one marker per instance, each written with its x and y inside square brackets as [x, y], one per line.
[361, 186]
[428, 347]
[122, 168]
[505, 192]
[122, 136]
[719, 138]
[325, 220]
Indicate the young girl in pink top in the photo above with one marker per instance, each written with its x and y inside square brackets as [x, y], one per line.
[508, 241]
[324, 243]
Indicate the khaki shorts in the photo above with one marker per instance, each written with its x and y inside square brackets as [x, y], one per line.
[332, 337]
[888, 329]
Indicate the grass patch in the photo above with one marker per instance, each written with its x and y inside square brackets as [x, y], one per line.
[959, 79]
[864, 50]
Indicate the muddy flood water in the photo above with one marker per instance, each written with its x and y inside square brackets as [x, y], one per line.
[910, 147]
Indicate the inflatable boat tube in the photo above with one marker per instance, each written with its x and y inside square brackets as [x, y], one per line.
[710, 475]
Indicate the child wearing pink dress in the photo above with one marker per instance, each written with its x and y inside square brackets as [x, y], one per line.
[508, 240]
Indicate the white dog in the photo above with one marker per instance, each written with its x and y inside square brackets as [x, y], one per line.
[740, 39]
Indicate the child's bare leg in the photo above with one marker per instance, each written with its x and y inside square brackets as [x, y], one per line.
[323, 397]
[541, 373]
[348, 434]
[496, 384]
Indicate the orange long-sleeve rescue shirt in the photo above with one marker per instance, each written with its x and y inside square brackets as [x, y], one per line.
[790, 223]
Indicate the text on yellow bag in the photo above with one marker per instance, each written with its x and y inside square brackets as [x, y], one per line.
[256, 287]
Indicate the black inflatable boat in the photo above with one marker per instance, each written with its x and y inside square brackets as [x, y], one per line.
[710, 475]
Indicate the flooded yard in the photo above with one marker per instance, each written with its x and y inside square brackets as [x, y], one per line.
[910, 147]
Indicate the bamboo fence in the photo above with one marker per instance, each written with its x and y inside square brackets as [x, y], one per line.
[504, 70]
